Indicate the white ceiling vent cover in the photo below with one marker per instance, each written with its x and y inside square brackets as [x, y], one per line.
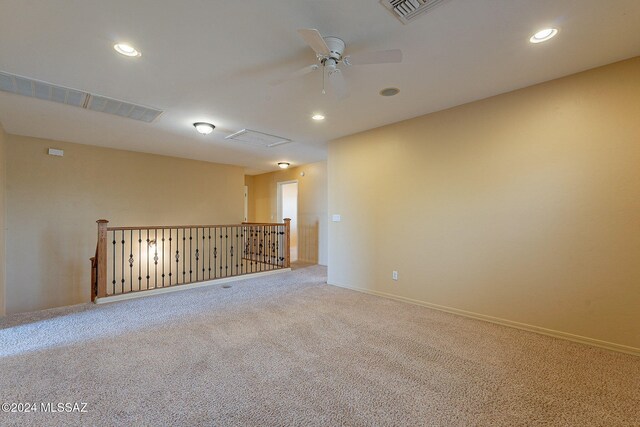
[258, 138]
[408, 10]
[49, 92]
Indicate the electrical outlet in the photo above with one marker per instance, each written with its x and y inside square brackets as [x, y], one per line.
[394, 275]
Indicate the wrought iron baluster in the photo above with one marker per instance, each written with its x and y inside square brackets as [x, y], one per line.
[231, 250]
[226, 252]
[177, 256]
[256, 248]
[184, 256]
[277, 252]
[190, 254]
[268, 248]
[155, 258]
[139, 260]
[274, 239]
[170, 254]
[197, 255]
[263, 249]
[148, 259]
[251, 249]
[215, 253]
[271, 245]
[203, 260]
[221, 250]
[209, 253]
[114, 264]
[242, 243]
[130, 260]
[163, 257]
[122, 266]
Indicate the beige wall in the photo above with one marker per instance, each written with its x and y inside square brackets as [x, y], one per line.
[312, 206]
[251, 209]
[523, 207]
[3, 143]
[53, 203]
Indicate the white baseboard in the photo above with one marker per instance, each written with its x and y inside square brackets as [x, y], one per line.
[504, 322]
[176, 288]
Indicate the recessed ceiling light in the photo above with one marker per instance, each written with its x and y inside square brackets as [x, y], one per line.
[390, 91]
[204, 128]
[318, 117]
[543, 35]
[126, 49]
[283, 165]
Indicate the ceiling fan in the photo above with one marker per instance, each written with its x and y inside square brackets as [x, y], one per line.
[330, 55]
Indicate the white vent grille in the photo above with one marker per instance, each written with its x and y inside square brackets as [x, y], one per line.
[258, 138]
[122, 108]
[408, 10]
[77, 98]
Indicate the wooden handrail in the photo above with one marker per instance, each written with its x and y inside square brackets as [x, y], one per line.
[167, 227]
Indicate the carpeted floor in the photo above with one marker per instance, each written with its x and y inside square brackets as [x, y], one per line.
[290, 350]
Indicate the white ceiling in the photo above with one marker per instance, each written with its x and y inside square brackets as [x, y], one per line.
[213, 61]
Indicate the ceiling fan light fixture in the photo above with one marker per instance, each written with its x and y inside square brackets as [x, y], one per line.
[127, 50]
[283, 165]
[543, 35]
[204, 128]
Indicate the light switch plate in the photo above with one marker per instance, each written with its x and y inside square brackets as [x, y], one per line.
[336, 218]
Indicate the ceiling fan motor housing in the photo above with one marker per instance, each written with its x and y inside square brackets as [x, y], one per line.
[336, 47]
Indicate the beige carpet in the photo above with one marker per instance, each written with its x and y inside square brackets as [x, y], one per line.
[290, 350]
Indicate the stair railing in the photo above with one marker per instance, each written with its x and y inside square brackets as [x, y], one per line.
[134, 259]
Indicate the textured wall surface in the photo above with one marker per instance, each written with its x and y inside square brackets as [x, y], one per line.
[312, 206]
[53, 203]
[523, 207]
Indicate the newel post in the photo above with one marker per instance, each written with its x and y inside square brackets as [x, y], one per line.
[287, 238]
[102, 258]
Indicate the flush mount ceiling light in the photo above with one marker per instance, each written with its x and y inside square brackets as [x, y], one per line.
[204, 128]
[543, 35]
[126, 50]
[390, 91]
[318, 117]
[283, 165]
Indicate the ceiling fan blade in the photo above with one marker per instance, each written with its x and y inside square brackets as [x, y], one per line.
[338, 84]
[301, 72]
[377, 57]
[315, 41]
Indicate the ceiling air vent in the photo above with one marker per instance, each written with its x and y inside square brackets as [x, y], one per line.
[76, 98]
[258, 138]
[407, 10]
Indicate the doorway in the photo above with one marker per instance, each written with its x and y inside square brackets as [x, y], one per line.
[288, 208]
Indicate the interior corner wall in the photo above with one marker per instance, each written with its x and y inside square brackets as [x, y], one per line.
[312, 206]
[53, 204]
[522, 208]
[3, 180]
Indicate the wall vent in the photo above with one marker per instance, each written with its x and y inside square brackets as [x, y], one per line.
[258, 138]
[408, 10]
[49, 92]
